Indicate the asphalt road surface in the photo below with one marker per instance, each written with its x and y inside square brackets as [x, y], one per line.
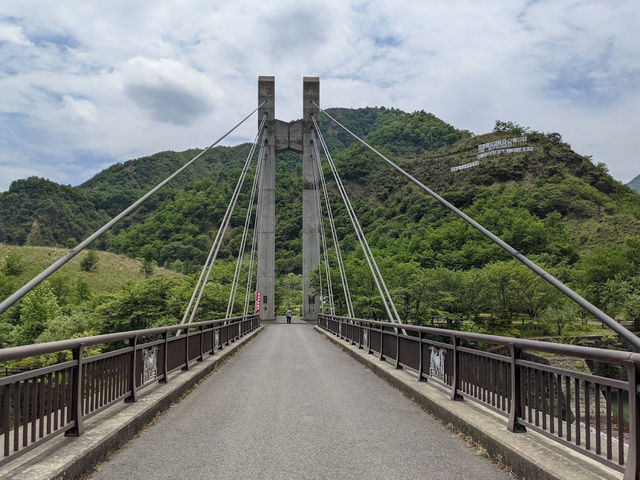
[290, 405]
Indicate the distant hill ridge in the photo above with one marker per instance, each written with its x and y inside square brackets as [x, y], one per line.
[550, 184]
[635, 184]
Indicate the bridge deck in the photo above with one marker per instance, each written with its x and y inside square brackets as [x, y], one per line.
[291, 405]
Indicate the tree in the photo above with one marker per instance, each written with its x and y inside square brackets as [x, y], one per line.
[505, 292]
[61, 288]
[6, 285]
[83, 290]
[632, 310]
[633, 250]
[560, 317]
[90, 262]
[614, 294]
[599, 265]
[148, 267]
[510, 127]
[13, 264]
[38, 309]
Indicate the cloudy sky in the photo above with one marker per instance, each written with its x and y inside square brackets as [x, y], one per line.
[84, 84]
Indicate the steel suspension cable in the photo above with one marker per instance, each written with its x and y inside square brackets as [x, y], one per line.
[334, 233]
[243, 241]
[564, 289]
[256, 226]
[317, 173]
[318, 218]
[213, 253]
[373, 266]
[35, 281]
[325, 250]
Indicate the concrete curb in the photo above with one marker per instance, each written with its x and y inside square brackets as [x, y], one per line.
[529, 455]
[67, 457]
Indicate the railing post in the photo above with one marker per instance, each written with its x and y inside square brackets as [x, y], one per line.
[359, 335]
[398, 367]
[516, 400]
[381, 342]
[420, 358]
[165, 366]
[76, 395]
[186, 349]
[632, 472]
[133, 396]
[201, 357]
[455, 384]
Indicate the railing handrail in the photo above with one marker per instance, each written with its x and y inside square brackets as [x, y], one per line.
[591, 353]
[13, 353]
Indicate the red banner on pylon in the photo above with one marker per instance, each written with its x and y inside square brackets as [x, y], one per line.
[258, 302]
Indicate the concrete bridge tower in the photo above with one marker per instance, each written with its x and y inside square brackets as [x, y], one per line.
[310, 226]
[266, 279]
[296, 137]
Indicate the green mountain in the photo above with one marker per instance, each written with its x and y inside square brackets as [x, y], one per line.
[549, 202]
[635, 184]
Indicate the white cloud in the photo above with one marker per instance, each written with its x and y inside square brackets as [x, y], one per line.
[13, 34]
[84, 83]
[79, 110]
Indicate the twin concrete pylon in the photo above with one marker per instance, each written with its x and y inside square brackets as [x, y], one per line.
[292, 136]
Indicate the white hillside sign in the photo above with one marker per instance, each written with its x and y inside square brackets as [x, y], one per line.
[497, 147]
[506, 145]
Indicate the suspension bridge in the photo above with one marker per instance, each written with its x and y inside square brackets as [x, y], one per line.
[291, 404]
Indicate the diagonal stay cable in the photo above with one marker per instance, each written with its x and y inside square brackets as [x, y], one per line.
[200, 287]
[34, 282]
[325, 250]
[373, 266]
[256, 227]
[243, 241]
[213, 251]
[317, 214]
[334, 233]
[317, 172]
[564, 289]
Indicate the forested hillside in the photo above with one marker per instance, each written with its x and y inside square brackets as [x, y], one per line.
[551, 203]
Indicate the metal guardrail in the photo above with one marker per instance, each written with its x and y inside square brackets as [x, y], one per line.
[40, 404]
[594, 415]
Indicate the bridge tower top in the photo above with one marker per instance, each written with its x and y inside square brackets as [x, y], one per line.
[266, 95]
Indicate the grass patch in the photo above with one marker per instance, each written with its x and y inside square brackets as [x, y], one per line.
[111, 272]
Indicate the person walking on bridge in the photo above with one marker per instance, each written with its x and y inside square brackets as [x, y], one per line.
[289, 315]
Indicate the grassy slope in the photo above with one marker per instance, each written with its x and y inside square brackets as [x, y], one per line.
[111, 273]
